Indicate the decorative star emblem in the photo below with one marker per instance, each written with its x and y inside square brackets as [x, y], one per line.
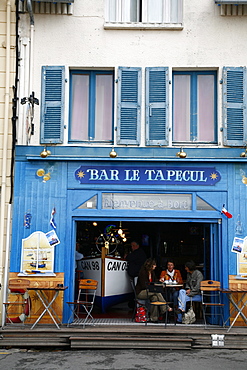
[213, 176]
[80, 174]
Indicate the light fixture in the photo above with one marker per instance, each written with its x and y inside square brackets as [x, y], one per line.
[95, 223]
[46, 177]
[112, 153]
[244, 154]
[40, 172]
[45, 153]
[120, 231]
[181, 153]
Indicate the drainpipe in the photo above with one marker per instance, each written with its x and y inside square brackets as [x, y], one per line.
[30, 11]
[5, 144]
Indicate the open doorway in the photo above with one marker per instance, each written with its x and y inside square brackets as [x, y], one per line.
[179, 241]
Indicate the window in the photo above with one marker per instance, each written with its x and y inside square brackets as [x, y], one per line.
[91, 106]
[194, 106]
[145, 11]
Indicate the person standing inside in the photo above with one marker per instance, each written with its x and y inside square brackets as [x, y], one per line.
[146, 276]
[136, 258]
[192, 288]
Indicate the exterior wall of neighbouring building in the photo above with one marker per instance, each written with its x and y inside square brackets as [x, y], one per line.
[7, 80]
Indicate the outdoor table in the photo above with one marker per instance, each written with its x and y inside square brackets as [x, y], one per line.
[47, 302]
[239, 304]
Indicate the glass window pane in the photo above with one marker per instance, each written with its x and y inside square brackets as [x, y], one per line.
[201, 205]
[181, 113]
[89, 204]
[154, 11]
[79, 106]
[205, 93]
[103, 107]
[134, 11]
[134, 201]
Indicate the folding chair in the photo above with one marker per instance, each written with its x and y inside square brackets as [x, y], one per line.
[84, 304]
[138, 302]
[18, 307]
[158, 288]
[211, 300]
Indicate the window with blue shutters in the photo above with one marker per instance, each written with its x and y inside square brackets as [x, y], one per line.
[157, 82]
[234, 106]
[129, 105]
[194, 107]
[52, 104]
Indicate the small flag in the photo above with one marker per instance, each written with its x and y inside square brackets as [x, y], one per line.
[52, 221]
[27, 220]
[225, 212]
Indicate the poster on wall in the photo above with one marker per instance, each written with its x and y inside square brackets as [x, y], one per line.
[52, 238]
[237, 245]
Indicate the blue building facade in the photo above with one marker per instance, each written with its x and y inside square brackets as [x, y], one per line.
[88, 185]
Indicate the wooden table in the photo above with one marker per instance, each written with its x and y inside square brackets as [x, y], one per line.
[47, 303]
[238, 303]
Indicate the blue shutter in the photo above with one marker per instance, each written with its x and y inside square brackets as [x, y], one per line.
[129, 105]
[157, 106]
[52, 104]
[234, 106]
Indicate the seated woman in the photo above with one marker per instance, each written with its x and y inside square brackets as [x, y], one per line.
[147, 275]
[173, 276]
[192, 288]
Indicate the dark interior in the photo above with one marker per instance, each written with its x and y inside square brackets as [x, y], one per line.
[179, 241]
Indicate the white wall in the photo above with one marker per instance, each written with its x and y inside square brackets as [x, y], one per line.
[207, 40]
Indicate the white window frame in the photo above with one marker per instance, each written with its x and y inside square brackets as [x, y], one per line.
[117, 15]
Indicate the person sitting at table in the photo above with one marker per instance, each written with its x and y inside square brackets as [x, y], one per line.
[146, 276]
[192, 289]
[173, 276]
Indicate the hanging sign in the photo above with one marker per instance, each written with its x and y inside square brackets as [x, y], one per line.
[147, 175]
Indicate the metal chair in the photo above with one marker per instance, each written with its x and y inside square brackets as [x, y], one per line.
[83, 306]
[158, 288]
[18, 307]
[211, 300]
[138, 302]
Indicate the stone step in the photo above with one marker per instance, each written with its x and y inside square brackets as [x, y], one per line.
[147, 342]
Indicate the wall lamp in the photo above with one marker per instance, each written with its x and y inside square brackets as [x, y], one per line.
[181, 154]
[45, 153]
[41, 173]
[112, 153]
[244, 154]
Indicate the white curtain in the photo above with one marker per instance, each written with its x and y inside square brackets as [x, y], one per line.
[79, 106]
[181, 104]
[205, 126]
[103, 108]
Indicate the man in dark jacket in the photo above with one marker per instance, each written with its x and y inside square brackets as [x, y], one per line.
[135, 259]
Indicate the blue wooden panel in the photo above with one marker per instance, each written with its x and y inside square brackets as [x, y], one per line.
[234, 106]
[129, 105]
[157, 101]
[52, 104]
[38, 198]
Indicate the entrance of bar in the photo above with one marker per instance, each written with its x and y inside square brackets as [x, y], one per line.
[179, 241]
